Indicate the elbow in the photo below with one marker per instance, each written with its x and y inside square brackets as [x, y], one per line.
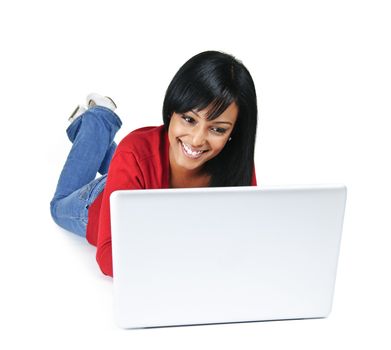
[104, 259]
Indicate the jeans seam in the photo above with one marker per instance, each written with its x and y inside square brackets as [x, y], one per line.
[98, 184]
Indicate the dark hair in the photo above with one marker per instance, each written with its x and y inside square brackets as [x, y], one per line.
[217, 79]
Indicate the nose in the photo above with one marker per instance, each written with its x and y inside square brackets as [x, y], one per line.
[199, 136]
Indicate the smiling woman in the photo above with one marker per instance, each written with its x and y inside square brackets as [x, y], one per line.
[207, 139]
[216, 95]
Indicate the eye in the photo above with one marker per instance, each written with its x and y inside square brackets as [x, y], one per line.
[219, 131]
[187, 119]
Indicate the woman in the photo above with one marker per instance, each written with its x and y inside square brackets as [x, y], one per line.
[207, 139]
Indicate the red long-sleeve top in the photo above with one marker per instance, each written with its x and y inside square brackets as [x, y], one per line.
[140, 161]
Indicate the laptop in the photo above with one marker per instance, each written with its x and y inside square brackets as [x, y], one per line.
[226, 254]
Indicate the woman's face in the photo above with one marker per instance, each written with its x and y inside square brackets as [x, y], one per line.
[194, 140]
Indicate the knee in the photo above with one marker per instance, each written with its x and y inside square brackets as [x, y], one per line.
[53, 210]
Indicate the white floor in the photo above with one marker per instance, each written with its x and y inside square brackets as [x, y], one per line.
[53, 293]
[323, 80]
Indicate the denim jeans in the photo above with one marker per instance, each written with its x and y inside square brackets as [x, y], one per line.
[92, 135]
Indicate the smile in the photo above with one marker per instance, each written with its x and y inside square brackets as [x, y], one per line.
[187, 150]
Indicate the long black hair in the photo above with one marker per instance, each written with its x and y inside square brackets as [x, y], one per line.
[217, 79]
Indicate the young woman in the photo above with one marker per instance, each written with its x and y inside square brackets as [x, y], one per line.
[207, 139]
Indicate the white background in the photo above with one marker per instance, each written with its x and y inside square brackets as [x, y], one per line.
[323, 79]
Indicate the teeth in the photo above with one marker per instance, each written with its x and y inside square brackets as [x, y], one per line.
[188, 150]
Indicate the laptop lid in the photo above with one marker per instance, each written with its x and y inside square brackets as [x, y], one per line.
[228, 254]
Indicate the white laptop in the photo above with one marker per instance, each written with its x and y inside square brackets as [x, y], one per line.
[228, 254]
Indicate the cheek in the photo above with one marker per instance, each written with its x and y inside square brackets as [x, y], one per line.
[172, 131]
[218, 146]
[175, 129]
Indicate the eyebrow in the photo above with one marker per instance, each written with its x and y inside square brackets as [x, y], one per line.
[216, 122]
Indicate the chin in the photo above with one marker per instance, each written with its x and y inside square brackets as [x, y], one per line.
[188, 166]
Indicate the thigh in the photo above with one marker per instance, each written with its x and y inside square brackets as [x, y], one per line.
[71, 212]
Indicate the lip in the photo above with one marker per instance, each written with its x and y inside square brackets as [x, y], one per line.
[188, 155]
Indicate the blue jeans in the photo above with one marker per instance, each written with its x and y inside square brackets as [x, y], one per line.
[92, 135]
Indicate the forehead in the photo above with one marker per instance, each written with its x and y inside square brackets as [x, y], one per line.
[230, 113]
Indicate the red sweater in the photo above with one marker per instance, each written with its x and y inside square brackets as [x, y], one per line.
[140, 162]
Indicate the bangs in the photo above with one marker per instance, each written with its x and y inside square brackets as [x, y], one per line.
[197, 100]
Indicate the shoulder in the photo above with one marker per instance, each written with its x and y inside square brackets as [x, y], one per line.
[143, 142]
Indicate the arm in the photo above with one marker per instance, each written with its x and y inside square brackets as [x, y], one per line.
[124, 173]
